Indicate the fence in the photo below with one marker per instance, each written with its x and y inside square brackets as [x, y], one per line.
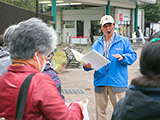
[73, 40]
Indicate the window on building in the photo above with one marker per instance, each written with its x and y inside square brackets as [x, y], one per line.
[69, 24]
[96, 28]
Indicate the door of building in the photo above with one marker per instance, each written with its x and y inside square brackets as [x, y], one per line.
[80, 27]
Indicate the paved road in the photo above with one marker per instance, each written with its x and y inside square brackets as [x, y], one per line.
[76, 83]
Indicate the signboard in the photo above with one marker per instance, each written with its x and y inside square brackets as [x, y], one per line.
[120, 17]
[123, 16]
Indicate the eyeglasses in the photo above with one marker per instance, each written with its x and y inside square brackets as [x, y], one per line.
[155, 40]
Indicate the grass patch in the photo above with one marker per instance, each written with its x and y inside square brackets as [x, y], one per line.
[59, 60]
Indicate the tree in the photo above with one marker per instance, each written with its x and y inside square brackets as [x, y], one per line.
[152, 12]
[26, 4]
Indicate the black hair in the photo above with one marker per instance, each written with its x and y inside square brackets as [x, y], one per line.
[156, 35]
[150, 60]
[149, 64]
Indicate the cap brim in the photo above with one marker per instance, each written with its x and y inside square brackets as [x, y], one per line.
[107, 22]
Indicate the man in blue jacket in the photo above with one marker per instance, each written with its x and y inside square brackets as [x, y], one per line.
[111, 80]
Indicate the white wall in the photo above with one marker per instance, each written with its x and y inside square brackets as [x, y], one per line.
[140, 21]
[85, 15]
[155, 26]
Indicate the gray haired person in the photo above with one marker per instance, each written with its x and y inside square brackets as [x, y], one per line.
[5, 59]
[30, 43]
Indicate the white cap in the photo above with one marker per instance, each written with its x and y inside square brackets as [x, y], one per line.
[106, 19]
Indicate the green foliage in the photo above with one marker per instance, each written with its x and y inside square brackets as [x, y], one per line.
[59, 60]
[26, 4]
[44, 8]
[152, 12]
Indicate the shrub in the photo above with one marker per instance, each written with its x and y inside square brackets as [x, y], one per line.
[59, 60]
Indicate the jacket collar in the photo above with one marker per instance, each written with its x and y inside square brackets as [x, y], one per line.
[117, 38]
[22, 68]
[144, 89]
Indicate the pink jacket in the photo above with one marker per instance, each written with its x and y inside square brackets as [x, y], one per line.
[43, 100]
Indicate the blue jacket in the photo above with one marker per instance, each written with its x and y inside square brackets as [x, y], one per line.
[116, 74]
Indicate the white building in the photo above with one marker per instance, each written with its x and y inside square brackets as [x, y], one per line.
[78, 22]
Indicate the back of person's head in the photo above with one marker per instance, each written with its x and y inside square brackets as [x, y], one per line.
[30, 36]
[8, 32]
[150, 58]
[137, 27]
[156, 35]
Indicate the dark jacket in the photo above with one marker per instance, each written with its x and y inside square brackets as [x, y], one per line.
[137, 33]
[139, 103]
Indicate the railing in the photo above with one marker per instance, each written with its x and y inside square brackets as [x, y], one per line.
[73, 40]
[80, 40]
[136, 43]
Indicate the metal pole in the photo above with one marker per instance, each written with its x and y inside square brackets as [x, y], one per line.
[37, 9]
[54, 13]
[136, 17]
[107, 10]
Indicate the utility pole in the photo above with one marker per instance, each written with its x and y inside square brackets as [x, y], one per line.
[37, 9]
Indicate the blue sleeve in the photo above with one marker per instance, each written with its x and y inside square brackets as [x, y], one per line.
[87, 69]
[129, 56]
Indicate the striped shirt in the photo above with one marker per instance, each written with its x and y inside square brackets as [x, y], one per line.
[107, 45]
[51, 73]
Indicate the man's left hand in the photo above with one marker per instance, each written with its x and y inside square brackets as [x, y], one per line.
[120, 57]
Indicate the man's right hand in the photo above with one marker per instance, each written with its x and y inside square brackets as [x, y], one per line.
[88, 65]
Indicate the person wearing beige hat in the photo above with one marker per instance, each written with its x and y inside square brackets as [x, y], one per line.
[111, 80]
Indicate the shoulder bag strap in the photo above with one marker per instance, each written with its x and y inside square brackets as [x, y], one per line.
[22, 96]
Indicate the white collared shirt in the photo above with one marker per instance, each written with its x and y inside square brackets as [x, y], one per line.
[107, 45]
